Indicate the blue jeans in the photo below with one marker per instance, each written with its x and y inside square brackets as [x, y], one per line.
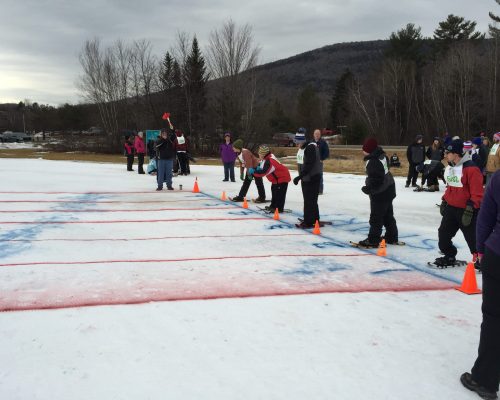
[229, 171]
[164, 172]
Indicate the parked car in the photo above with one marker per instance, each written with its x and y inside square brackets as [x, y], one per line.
[284, 139]
[14, 137]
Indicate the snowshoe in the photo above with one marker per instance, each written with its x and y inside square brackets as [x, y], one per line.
[446, 262]
[270, 210]
[237, 199]
[303, 225]
[321, 223]
[419, 189]
[394, 242]
[364, 244]
[260, 200]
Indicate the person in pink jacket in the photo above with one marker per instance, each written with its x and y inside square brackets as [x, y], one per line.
[140, 149]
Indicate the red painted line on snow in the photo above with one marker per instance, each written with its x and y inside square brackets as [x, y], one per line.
[103, 201]
[111, 302]
[143, 192]
[180, 259]
[91, 210]
[152, 238]
[133, 221]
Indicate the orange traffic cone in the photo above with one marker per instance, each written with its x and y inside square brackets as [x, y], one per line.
[223, 197]
[469, 284]
[276, 216]
[196, 189]
[245, 203]
[316, 230]
[382, 249]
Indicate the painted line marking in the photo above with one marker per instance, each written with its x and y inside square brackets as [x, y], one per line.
[89, 210]
[168, 260]
[131, 221]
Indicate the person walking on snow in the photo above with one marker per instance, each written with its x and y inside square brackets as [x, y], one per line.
[165, 150]
[485, 374]
[228, 157]
[248, 160]
[381, 188]
[324, 153]
[460, 203]
[310, 175]
[140, 149]
[416, 155]
[277, 174]
[129, 152]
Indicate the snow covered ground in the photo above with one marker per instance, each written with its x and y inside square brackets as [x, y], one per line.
[89, 253]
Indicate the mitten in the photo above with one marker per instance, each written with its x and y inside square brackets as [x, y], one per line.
[467, 215]
[442, 207]
[365, 190]
[296, 180]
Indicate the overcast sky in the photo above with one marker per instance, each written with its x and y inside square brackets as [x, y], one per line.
[40, 39]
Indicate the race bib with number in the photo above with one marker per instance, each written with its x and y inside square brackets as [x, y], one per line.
[300, 156]
[453, 176]
[181, 140]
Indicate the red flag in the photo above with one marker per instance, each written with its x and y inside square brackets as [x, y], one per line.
[166, 116]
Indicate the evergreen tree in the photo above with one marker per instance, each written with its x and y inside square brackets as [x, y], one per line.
[494, 31]
[195, 79]
[167, 72]
[456, 29]
[278, 121]
[308, 111]
[406, 43]
[339, 103]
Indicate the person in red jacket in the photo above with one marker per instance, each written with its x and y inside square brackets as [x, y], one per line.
[460, 203]
[129, 152]
[140, 149]
[181, 148]
[277, 174]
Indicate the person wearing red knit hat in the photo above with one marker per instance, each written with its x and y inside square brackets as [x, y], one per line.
[381, 188]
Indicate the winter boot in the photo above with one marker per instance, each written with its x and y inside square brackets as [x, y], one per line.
[436, 188]
[407, 184]
[431, 188]
[259, 200]
[303, 225]
[471, 384]
[445, 261]
[367, 243]
[237, 199]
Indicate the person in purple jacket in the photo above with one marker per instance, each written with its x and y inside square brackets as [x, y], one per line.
[228, 157]
[485, 374]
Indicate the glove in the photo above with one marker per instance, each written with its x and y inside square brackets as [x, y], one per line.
[467, 215]
[365, 190]
[296, 180]
[250, 171]
[442, 207]
[242, 176]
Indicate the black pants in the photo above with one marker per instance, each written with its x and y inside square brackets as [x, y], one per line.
[183, 159]
[246, 185]
[140, 163]
[310, 191]
[486, 370]
[382, 215]
[412, 174]
[130, 161]
[450, 224]
[279, 195]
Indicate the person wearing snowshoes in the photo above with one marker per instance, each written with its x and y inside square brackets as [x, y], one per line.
[277, 174]
[248, 160]
[381, 188]
[310, 175]
[484, 378]
[460, 203]
[416, 155]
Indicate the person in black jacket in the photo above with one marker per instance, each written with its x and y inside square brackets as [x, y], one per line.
[165, 154]
[381, 188]
[416, 155]
[310, 176]
[324, 153]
